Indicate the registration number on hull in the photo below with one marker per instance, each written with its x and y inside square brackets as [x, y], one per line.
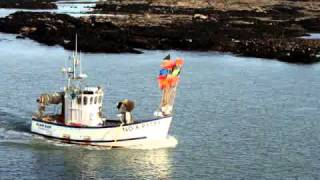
[140, 126]
[43, 126]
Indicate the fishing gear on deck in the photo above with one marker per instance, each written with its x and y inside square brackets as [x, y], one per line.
[168, 80]
[169, 74]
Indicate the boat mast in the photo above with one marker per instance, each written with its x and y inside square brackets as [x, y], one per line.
[75, 74]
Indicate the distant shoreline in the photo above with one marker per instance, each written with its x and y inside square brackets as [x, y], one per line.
[267, 32]
[28, 4]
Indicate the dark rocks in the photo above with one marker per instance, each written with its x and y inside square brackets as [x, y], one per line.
[142, 8]
[59, 29]
[28, 4]
[20, 37]
[288, 50]
[266, 32]
[311, 24]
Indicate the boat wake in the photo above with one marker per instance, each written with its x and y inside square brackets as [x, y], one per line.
[14, 127]
[13, 136]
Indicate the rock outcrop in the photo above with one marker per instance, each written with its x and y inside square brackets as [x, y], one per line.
[60, 29]
[28, 4]
[270, 31]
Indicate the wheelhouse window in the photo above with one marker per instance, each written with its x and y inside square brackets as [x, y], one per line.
[95, 100]
[91, 100]
[100, 99]
[79, 99]
[85, 100]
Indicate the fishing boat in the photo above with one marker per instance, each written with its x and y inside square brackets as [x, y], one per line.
[79, 118]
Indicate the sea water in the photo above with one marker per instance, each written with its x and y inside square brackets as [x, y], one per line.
[235, 117]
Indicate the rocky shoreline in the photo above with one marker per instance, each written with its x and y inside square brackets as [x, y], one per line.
[28, 4]
[271, 31]
[60, 29]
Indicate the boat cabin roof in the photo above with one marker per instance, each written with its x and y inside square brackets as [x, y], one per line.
[92, 90]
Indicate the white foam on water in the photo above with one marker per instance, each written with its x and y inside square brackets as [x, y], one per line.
[12, 136]
[14, 141]
[58, 143]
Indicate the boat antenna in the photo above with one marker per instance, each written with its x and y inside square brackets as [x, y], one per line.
[80, 62]
[76, 43]
[75, 58]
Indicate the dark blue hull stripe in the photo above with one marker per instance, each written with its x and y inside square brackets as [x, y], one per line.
[89, 141]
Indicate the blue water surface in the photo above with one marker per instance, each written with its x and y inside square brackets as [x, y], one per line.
[235, 117]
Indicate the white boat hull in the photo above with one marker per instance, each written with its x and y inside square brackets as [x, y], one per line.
[119, 136]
